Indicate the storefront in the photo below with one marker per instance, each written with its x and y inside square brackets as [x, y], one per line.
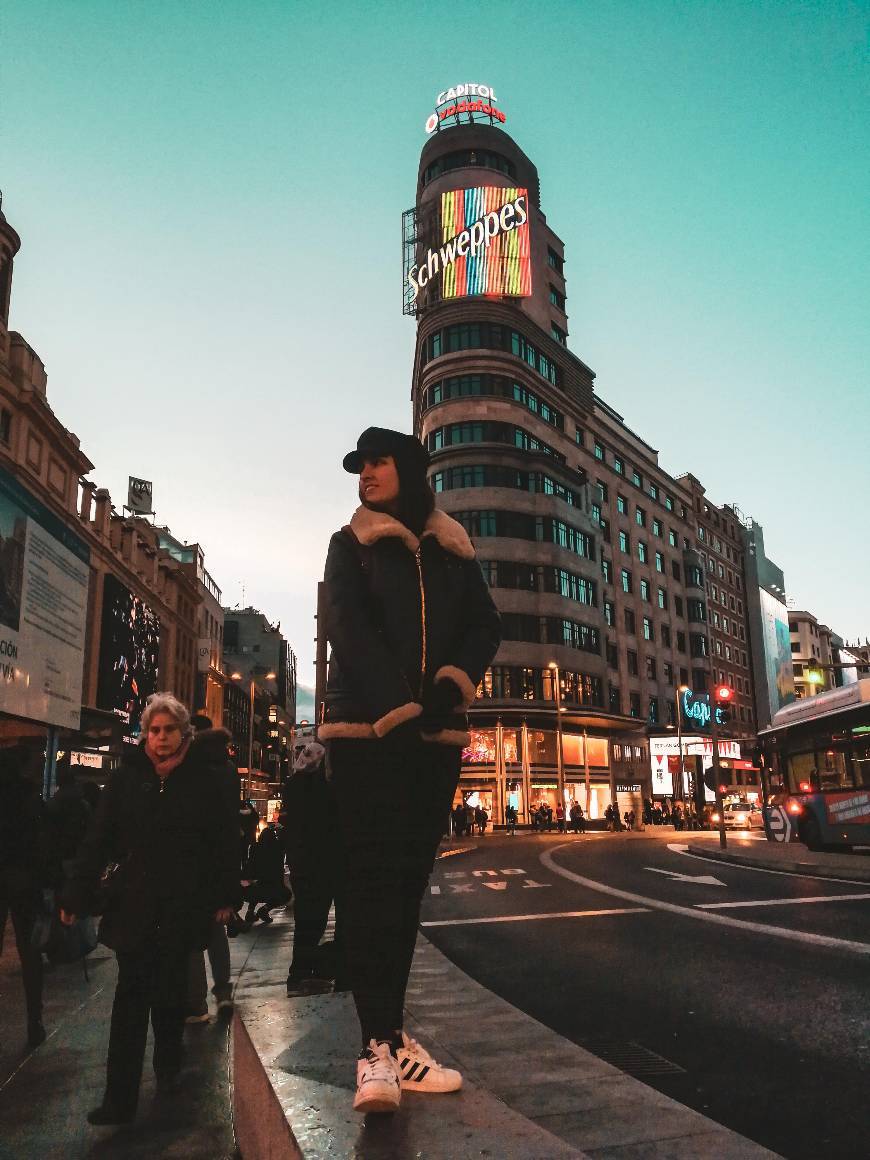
[520, 762]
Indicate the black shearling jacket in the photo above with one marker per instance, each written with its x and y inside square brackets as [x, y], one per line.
[403, 614]
[177, 849]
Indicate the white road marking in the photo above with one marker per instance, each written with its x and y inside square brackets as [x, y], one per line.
[495, 885]
[534, 917]
[531, 884]
[485, 873]
[700, 879]
[784, 901]
[462, 887]
[702, 915]
[435, 889]
[677, 848]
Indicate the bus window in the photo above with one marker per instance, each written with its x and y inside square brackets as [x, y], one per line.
[804, 774]
[834, 775]
[861, 763]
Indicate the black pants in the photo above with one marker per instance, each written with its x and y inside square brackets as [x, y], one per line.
[21, 901]
[310, 841]
[152, 980]
[392, 802]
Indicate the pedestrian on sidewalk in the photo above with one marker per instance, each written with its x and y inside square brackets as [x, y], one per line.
[412, 628]
[218, 948]
[309, 835]
[23, 873]
[268, 888]
[165, 846]
[510, 819]
[560, 817]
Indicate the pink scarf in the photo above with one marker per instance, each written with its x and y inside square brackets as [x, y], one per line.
[164, 766]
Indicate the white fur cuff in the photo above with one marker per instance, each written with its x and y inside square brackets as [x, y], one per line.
[359, 730]
[448, 737]
[462, 681]
[397, 717]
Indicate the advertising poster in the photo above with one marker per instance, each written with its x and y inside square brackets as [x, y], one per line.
[777, 651]
[476, 243]
[44, 572]
[129, 652]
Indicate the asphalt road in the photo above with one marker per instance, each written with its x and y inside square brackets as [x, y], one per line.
[723, 987]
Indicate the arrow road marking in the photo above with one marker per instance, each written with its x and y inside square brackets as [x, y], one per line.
[700, 879]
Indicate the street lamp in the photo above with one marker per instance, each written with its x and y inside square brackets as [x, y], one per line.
[684, 788]
[722, 695]
[269, 676]
[560, 761]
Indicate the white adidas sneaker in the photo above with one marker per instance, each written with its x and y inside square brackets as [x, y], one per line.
[420, 1072]
[378, 1083]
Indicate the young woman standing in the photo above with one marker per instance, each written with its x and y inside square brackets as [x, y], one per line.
[412, 628]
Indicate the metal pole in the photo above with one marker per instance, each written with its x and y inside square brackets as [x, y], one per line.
[251, 741]
[527, 775]
[684, 785]
[723, 841]
[559, 754]
[586, 771]
[500, 775]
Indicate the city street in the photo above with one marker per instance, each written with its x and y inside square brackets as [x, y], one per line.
[738, 992]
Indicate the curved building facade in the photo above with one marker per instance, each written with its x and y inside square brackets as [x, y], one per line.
[589, 547]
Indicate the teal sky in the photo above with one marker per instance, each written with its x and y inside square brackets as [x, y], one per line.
[209, 200]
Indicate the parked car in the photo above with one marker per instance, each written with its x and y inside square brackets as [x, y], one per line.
[743, 816]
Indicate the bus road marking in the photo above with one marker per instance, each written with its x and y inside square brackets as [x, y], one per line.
[784, 901]
[535, 917]
[819, 940]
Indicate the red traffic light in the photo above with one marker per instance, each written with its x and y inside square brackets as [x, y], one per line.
[724, 692]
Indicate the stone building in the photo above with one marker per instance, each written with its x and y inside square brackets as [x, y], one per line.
[608, 570]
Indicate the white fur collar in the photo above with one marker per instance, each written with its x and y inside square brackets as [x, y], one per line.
[370, 526]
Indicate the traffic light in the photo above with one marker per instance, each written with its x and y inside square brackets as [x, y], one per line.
[710, 780]
[723, 695]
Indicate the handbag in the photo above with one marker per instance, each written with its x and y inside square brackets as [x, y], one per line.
[68, 944]
[109, 888]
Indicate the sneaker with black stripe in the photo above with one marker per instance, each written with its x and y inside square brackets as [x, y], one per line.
[421, 1073]
[378, 1087]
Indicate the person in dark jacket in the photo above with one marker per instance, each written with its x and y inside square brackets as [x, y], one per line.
[267, 868]
[22, 875]
[412, 628]
[226, 783]
[67, 816]
[174, 843]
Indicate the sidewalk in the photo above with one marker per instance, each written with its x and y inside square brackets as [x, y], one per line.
[787, 858]
[46, 1094]
[529, 1094]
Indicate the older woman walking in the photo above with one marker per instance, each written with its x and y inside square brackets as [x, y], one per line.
[412, 628]
[170, 832]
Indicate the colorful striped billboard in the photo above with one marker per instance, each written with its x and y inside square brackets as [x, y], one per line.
[493, 223]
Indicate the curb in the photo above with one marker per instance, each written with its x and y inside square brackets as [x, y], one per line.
[859, 873]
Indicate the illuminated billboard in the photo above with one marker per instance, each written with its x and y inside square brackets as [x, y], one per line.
[472, 242]
[129, 650]
[776, 644]
[44, 575]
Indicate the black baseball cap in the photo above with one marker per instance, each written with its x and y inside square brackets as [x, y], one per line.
[376, 441]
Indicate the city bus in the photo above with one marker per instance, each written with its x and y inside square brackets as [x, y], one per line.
[816, 774]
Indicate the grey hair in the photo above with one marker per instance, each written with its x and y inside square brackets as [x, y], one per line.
[166, 703]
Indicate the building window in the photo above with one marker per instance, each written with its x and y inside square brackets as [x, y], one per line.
[606, 571]
[609, 613]
[644, 590]
[554, 261]
[681, 641]
[651, 668]
[663, 598]
[628, 616]
[666, 635]
[672, 537]
[557, 298]
[618, 465]
[660, 562]
[599, 450]
[625, 577]
[657, 528]
[653, 716]
[653, 491]
[624, 545]
[559, 334]
[678, 605]
[669, 503]
[605, 493]
[640, 517]
[579, 436]
[634, 704]
[648, 633]
[631, 659]
[642, 553]
[5, 425]
[613, 700]
[675, 569]
[612, 655]
[636, 478]
[621, 504]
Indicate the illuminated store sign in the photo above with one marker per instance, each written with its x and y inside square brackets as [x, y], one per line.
[484, 246]
[698, 709]
[465, 100]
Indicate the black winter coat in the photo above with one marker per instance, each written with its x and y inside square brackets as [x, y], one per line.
[177, 848]
[403, 615]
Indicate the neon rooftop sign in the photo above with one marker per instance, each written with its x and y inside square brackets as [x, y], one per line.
[467, 99]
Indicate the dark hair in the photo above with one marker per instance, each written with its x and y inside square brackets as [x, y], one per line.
[199, 721]
[416, 498]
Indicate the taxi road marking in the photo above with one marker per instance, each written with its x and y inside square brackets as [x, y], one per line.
[535, 917]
